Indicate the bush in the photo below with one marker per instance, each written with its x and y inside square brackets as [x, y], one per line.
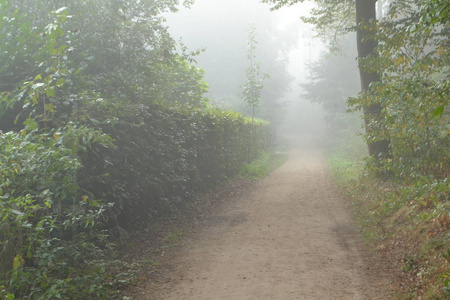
[405, 220]
[166, 155]
[43, 213]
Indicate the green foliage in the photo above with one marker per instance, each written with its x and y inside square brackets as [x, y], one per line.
[173, 238]
[412, 59]
[36, 65]
[410, 218]
[414, 92]
[277, 4]
[47, 220]
[59, 61]
[164, 156]
[334, 77]
[262, 165]
[225, 64]
[346, 151]
[253, 86]
[183, 84]
[332, 19]
[72, 79]
[435, 12]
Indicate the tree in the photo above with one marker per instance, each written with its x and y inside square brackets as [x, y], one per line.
[225, 40]
[413, 55]
[253, 85]
[403, 62]
[334, 78]
[59, 61]
[366, 45]
[365, 14]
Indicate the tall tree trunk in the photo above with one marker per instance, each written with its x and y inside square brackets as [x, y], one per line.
[365, 11]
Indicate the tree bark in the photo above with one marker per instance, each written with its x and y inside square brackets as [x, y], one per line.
[366, 11]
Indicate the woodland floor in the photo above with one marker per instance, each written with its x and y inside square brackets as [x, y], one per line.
[287, 236]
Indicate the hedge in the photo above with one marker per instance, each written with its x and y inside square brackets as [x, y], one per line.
[164, 156]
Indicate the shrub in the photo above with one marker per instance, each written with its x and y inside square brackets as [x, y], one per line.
[166, 155]
[43, 213]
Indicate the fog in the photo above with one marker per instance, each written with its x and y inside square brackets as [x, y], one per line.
[285, 48]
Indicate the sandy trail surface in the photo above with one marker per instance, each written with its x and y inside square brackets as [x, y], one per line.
[289, 236]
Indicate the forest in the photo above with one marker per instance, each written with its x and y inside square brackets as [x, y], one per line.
[109, 123]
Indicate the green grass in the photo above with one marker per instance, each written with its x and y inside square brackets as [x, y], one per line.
[263, 165]
[174, 237]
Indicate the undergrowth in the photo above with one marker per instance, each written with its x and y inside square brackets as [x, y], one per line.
[263, 165]
[67, 193]
[407, 221]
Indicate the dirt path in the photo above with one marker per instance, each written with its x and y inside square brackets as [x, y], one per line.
[288, 237]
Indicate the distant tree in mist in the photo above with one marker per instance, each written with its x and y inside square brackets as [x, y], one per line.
[224, 36]
[251, 90]
[334, 78]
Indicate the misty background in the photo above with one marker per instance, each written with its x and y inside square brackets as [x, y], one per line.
[307, 87]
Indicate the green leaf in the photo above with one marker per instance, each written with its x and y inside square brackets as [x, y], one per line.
[60, 82]
[50, 92]
[438, 112]
[18, 261]
[30, 124]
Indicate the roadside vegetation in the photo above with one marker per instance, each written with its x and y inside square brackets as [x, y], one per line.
[263, 165]
[405, 220]
[104, 127]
